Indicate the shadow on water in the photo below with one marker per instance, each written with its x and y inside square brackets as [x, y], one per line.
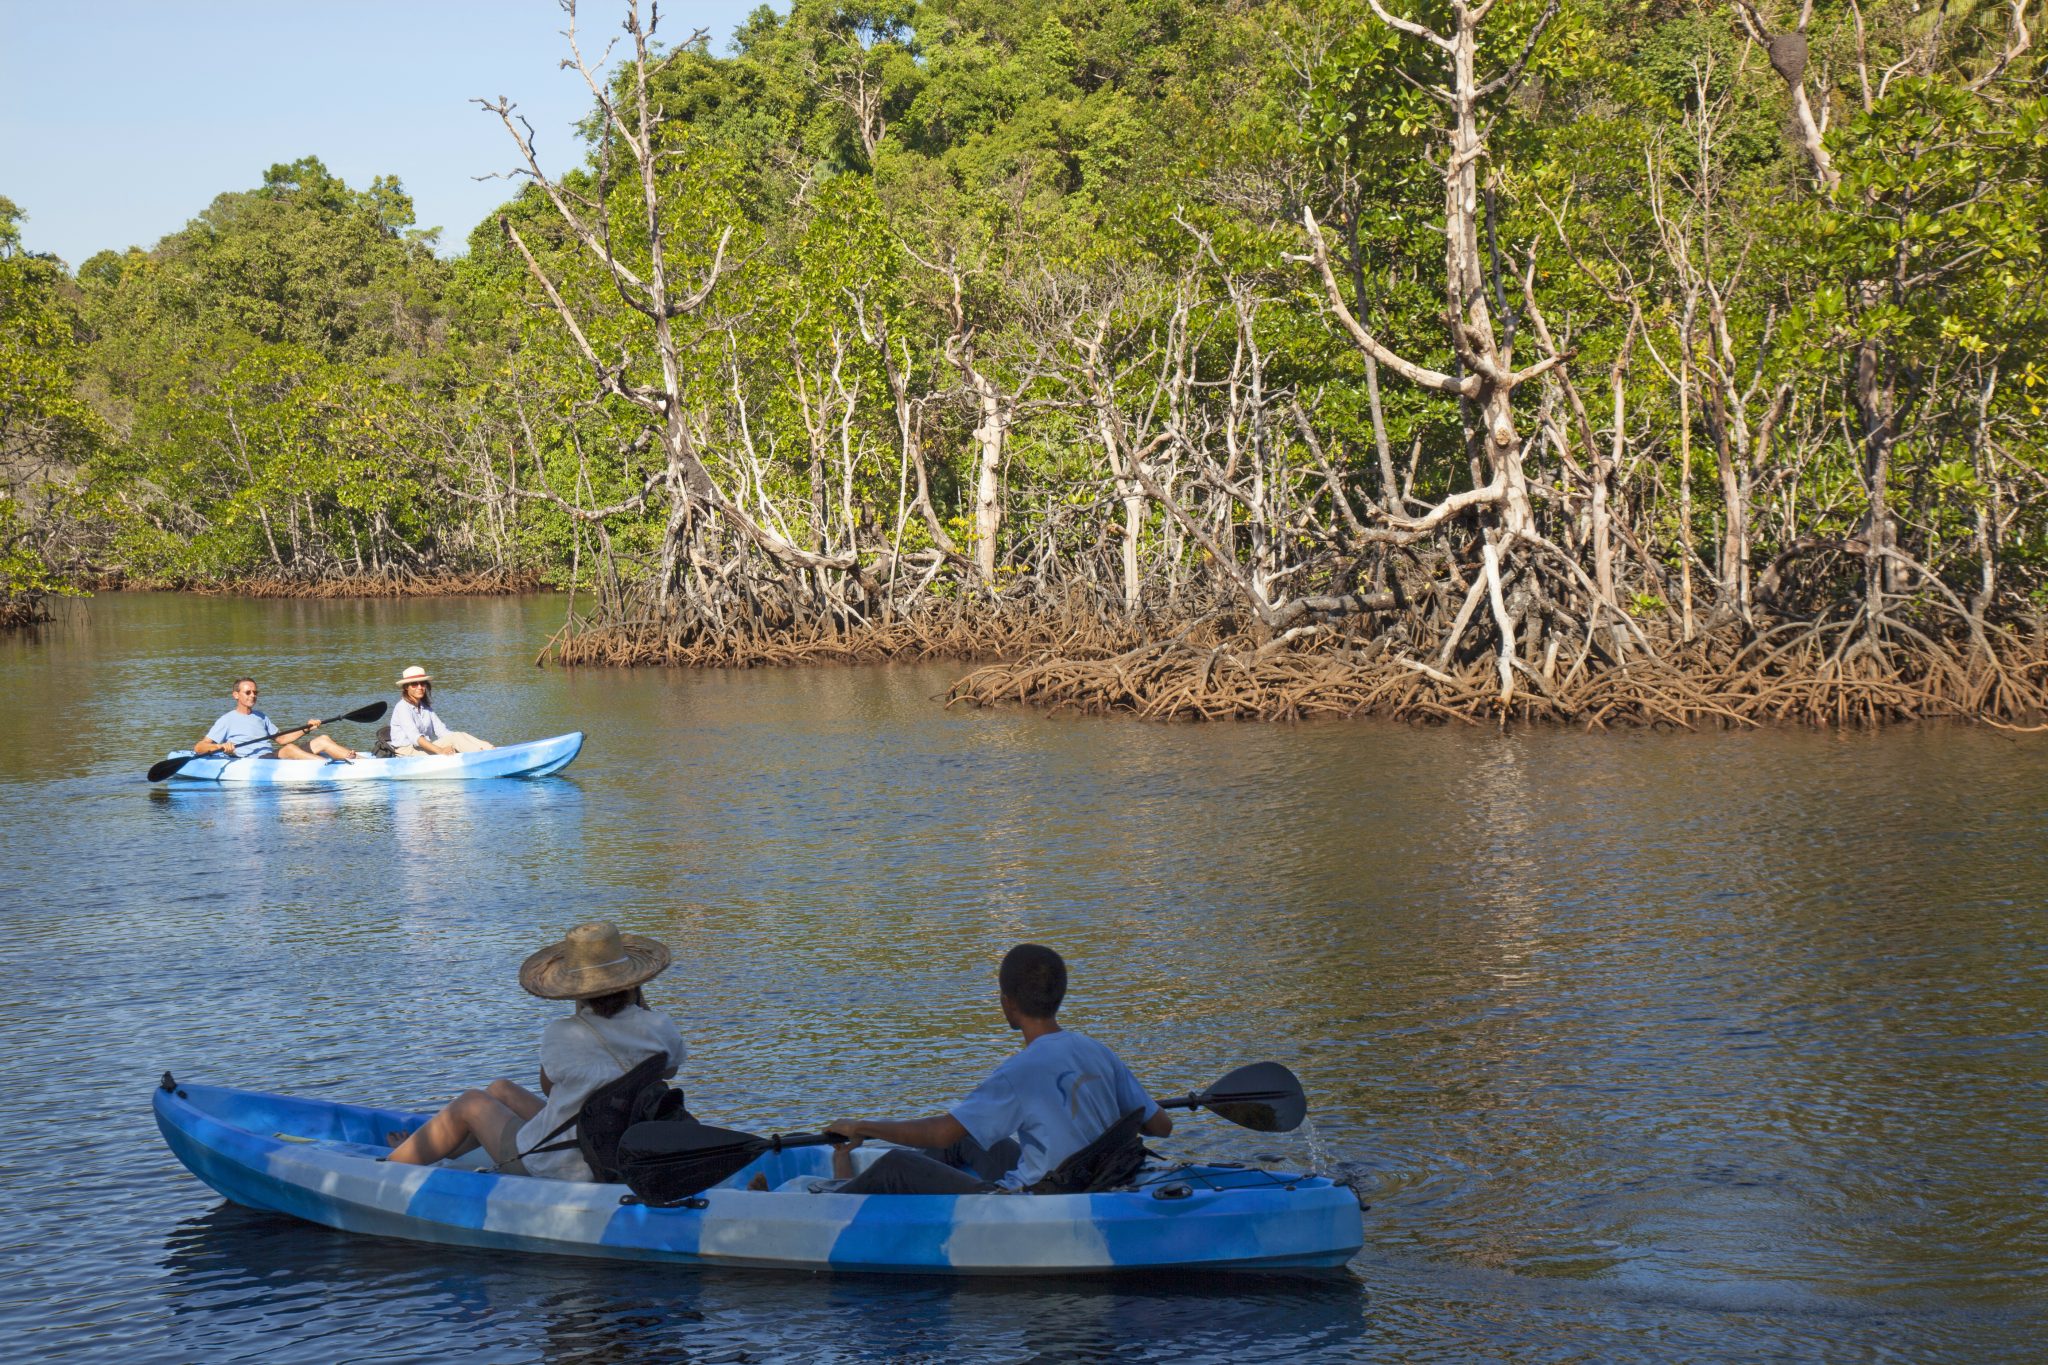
[232, 1266]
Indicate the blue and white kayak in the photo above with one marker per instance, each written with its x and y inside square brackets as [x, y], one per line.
[320, 1161]
[536, 758]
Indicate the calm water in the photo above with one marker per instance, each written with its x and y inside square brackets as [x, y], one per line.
[1649, 1047]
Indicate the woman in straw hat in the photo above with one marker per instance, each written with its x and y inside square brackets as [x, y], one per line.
[416, 730]
[612, 1030]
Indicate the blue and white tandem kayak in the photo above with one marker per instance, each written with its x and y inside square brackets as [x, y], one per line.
[536, 758]
[320, 1161]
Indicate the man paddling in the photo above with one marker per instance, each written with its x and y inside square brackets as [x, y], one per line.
[246, 732]
[1056, 1095]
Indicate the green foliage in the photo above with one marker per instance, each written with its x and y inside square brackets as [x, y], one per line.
[46, 429]
[294, 384]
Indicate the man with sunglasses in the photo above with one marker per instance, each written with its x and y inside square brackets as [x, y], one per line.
[246, 732]
[415, 730]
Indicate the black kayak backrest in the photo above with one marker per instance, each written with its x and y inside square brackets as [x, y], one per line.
[640, 1095]
[1112, 1159]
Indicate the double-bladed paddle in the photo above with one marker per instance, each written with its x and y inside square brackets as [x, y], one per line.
[1264, 1096]
[362, 715]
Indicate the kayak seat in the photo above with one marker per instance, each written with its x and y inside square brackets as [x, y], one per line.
[1113, 1159]
[383, 748]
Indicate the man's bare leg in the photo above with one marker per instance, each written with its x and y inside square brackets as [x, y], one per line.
[330, 748]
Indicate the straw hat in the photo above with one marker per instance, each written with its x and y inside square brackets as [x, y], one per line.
[595, 959]
[413, 675]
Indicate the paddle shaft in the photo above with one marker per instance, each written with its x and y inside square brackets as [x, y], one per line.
[284, 737]
[1208, 1098]
[1204, 1100]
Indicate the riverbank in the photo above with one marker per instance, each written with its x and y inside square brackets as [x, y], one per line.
[1216, 667]
[16, 612]
[1791, 676]
[395, 584]
[958, 629]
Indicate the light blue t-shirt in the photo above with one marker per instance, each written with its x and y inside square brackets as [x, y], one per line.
[1059, 1094]
[244, 732]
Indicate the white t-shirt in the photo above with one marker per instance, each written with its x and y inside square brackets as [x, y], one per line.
[579, 1053]
[1059, 1094]
[411, 723]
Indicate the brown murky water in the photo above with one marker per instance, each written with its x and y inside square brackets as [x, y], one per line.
[1658, 1047]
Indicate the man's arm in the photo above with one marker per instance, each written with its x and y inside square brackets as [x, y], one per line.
[943, 1130]
[1159, 1125]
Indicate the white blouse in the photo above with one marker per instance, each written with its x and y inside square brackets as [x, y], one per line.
[581, 1052]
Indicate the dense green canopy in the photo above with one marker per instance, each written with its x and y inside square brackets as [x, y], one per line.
[1017, 301]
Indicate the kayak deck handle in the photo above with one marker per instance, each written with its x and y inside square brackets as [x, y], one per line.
[693, 1202]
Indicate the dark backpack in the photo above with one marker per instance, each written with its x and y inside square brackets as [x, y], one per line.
[611, 1109]
[1111, 1160]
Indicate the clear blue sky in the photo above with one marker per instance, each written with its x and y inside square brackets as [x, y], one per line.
[122, 119]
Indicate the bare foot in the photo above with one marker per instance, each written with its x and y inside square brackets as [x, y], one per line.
[759, 1182]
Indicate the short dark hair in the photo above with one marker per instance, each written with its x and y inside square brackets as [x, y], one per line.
[1035, 979]
[605, 1006]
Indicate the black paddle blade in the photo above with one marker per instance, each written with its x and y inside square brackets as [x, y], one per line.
[1264, 1097]
[363, 715]
[159, 771]
[670, 1159]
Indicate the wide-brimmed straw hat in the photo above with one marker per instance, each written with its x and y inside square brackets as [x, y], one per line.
[413, 675]
[595, 959]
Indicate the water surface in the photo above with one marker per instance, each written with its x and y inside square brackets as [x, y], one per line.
[1646, 1047]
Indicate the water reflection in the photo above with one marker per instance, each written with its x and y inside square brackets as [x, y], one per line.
[232, 1267]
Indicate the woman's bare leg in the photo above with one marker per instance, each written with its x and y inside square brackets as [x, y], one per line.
[516, 1097]
[473, 1116]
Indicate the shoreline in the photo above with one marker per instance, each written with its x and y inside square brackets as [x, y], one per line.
[489, 583]
[1207, 668]
[1795, 674]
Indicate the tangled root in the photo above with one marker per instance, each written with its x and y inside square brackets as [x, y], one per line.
[16, 612]
[488, 583]
[1806, 682]
[956, 632]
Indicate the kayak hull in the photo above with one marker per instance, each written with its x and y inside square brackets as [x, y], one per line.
[536, 758]
[318, 1161]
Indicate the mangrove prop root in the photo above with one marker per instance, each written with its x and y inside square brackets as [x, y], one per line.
[1216, 665]
[960, 631]
[489, 583]
[1799, 683]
